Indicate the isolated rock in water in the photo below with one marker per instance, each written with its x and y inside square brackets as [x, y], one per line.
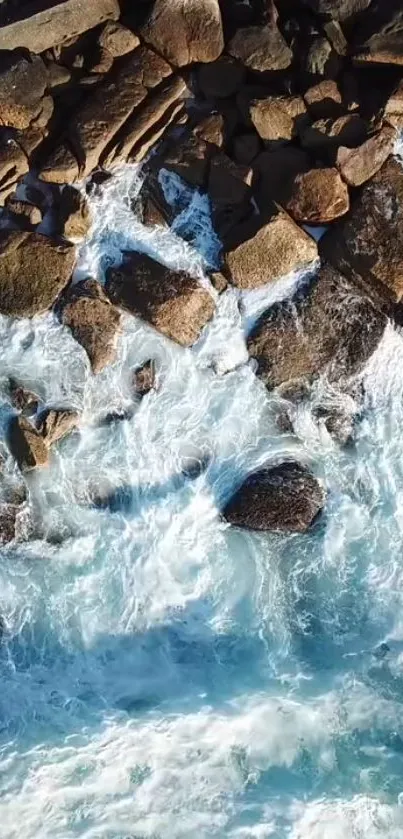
[358, 165]
[184, 31]
[285, 497]
[171, 301]
[117, 39]
[278, 118]
[66, 20]
[22, 87]
[272, 251]
[22, 399]
[74, 216]
[261, 48]
[331, 326]
[93, 321]
[26, 444]
[54, 424]
[221, 78]
[144, 378]
[318, 197]
[33, 271]
[368, 245]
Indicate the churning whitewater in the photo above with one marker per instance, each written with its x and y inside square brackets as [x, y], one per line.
[165, 676]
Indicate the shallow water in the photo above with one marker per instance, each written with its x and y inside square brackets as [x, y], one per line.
[164, 676]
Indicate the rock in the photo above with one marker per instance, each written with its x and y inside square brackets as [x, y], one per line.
[13, 165]
[246, 148]
[22, 87]
[170, 301]
[221, 78]
[275, 172]
[335, 35]
[117, 39]
[26, 444]
[144, 378]
[331, 327]
[33, 271]
[328, 134]
[58, 77]
[54, 424]
[60, 166]
[272, 251]
[321, 60]
[103, 63]
[318, 197]
[22, 399]
[368, 245]
[43, 30]
[212, 130]
[27, 214]
[278, 118]
[185, 31]
[286, 497]
[190, 159]
[228, 182]
[338, 424]
[379, 35]
[261, 48]
[358, 165]
[324, 100]
[218, 281]
[339, 9]
[73, 214]
[93, 321]
[394, 107]
[8, 516]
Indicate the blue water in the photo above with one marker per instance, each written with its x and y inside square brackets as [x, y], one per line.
[164, 676]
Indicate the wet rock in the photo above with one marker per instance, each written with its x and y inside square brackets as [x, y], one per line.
[246, 148]
[27, 215]
[339, 425]
[22, 399]
[22, 86]
[221, 78]
[190, 159]
[54, 424]
[275, 172]
[185, 32]
[261, 48]
[60, 167]
[103, 63]
[368, 245]
[170, 301]
[26, 444]
[33, 271]
[318, 197]
[117, 39]
[327, 134]
[41, 31]
[144, 378]
[358, 165]
[73, 214]
[285, 497]
[193, 467]
[331, 326]
[8, 515]
[270, 252]
[93, 321]
[278, 118]
[324, 100]
[218, 281]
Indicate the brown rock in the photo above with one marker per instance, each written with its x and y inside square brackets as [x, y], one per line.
[185, 32]
[394, 107]
[379, 35]
[339, 9]
[212, 130]
[26, 444]
[94, 323]
[368, 245]
[261, 48]
[324, 100]
[170, 301]
[246, 148]
[60, 167]
[331, 327]
[318, 197]
[117, 39]
[144, 378]
[221, 78]
[13, 165]
[328, 134]
[22, 87]
[21, 398]
[26, 212]
[74, 216]
[33, 271]
[54, 424]
[218, 281]
[175, 115]
[275, 174]
[43, 30]
[285, 497]
[335, 35]
[275, 249]
[228, 182]
[190, 159]
[278, 117]
[357, 166]
[320, 59]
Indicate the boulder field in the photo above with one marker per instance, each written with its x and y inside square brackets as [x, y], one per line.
[285, 114]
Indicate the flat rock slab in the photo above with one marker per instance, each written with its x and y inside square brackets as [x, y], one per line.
[368, 245]
[274, 250]
[285, 497]
[171, 301]
[318, 197]
[58, 24]
[331, 327]
[33, 271]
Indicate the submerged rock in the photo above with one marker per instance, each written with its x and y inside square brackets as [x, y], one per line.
[93, 321]
[144, 378]
[26, 444]
[55, 424]
[285, 497]
[171, 301]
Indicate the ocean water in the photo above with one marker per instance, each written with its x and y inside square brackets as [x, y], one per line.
[164, 676]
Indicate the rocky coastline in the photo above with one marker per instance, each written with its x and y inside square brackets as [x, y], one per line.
[285, 114]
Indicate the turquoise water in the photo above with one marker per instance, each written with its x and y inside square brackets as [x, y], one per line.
[164, 676]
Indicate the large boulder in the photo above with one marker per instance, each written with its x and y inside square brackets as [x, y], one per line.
[93, 321]
[278, 118]
[33, 271]
[318, 197]
[26, 444]
[368, 245]
[359, 165]
[22, 87]
[184, 31]
[171, 301]
[261, 48]
[42, 31]
[286, 497]
[331, 327]
[270, 251]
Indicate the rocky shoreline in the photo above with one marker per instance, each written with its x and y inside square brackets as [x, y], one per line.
[285, 114]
